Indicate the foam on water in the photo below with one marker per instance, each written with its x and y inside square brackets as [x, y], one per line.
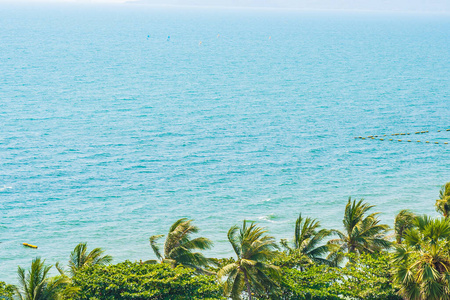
[109, 137]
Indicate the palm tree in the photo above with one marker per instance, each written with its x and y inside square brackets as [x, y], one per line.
[403, 221]
[307, 240]
[443, 203]
[422, 262]
[252, 269]
[178, 247]
[362, 234]
[79, 258]
[35, 285]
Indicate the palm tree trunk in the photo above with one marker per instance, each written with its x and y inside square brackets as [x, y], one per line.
[351, 247]
[248, 286]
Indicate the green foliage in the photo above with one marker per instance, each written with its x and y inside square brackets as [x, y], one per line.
[365, 277]
[219, 263]
[6, 291]
[80, 258]
[422, 262]
[362, 234]
[308, 240]
[253, 269]
[294, 260]
[136, 281]
[403, 221]
[179, 246]
[314, 283]
[368, 277]
[443, 203]
[36, 285]
[418, 269]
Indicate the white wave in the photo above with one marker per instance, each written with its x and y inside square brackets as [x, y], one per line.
[269, 218]
[4, 188]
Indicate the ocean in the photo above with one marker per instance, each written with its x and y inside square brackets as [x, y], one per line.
[117, 120]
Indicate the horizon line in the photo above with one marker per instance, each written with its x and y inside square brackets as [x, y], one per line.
[219, 6]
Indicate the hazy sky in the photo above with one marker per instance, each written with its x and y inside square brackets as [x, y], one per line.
[376, 5]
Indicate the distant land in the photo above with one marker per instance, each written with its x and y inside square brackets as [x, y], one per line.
[437, 6]
[414, 6]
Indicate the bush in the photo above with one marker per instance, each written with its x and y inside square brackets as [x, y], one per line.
[314, 283]
[365, 277]
[136, 281]
[6, 291]
[368, 277]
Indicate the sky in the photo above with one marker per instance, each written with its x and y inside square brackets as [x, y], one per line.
[440, 6]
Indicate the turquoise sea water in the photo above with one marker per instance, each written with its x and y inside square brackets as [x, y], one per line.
[109, 136]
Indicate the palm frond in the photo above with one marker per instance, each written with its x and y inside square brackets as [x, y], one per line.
[35, 284]
[199, 243]
[155, 246]
[179, 246]
[236, 286]
[235, 239]
[226, 270]
[421, 263]
[403, 221]
[79, 258]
